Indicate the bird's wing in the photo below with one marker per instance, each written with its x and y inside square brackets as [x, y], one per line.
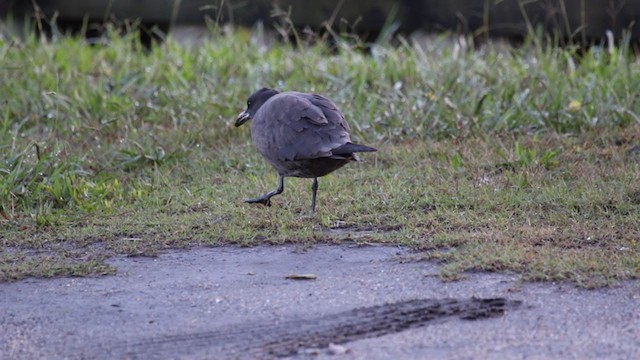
[305, 126]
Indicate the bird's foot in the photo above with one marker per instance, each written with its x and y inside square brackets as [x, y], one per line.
[261, 200]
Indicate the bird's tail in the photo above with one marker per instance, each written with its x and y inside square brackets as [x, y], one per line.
[350, 148]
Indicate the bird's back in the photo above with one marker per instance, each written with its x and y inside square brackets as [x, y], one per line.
[303, 135]
[298, 126]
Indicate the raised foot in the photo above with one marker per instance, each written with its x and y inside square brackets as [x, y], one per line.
[263, 201]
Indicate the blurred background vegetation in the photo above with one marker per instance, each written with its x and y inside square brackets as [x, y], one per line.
[572, 21]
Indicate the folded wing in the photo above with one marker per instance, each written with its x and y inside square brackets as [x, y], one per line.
[301, 126]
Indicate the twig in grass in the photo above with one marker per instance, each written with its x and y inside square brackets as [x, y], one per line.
[37, 150]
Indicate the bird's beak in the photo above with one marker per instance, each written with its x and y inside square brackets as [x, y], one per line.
[242, 118]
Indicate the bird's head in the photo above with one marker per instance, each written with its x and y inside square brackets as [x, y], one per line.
[255, 101]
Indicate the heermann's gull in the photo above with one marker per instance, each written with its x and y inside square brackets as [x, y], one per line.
[302, 135]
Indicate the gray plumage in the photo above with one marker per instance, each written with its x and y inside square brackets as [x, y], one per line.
[301, 135]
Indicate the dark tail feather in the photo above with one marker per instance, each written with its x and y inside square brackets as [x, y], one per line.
[350, 148]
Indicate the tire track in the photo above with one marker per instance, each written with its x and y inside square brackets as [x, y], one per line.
[287, 338]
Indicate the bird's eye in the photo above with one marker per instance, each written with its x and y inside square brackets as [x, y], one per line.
[248, 103]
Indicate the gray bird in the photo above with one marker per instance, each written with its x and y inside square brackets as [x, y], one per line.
[302, 135]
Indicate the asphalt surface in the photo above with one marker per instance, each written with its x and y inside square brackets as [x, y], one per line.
[231, 302]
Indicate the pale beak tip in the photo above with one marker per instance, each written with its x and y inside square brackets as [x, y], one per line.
[242, 118]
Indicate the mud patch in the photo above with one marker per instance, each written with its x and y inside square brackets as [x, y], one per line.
[293, 337]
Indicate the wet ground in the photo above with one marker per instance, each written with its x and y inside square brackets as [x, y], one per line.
[341, 302]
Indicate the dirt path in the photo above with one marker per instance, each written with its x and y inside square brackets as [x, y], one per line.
[237, 303]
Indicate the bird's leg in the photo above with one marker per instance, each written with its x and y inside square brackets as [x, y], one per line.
[266, 198]
[314, 191]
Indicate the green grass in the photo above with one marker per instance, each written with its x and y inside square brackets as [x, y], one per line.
[523, 160]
